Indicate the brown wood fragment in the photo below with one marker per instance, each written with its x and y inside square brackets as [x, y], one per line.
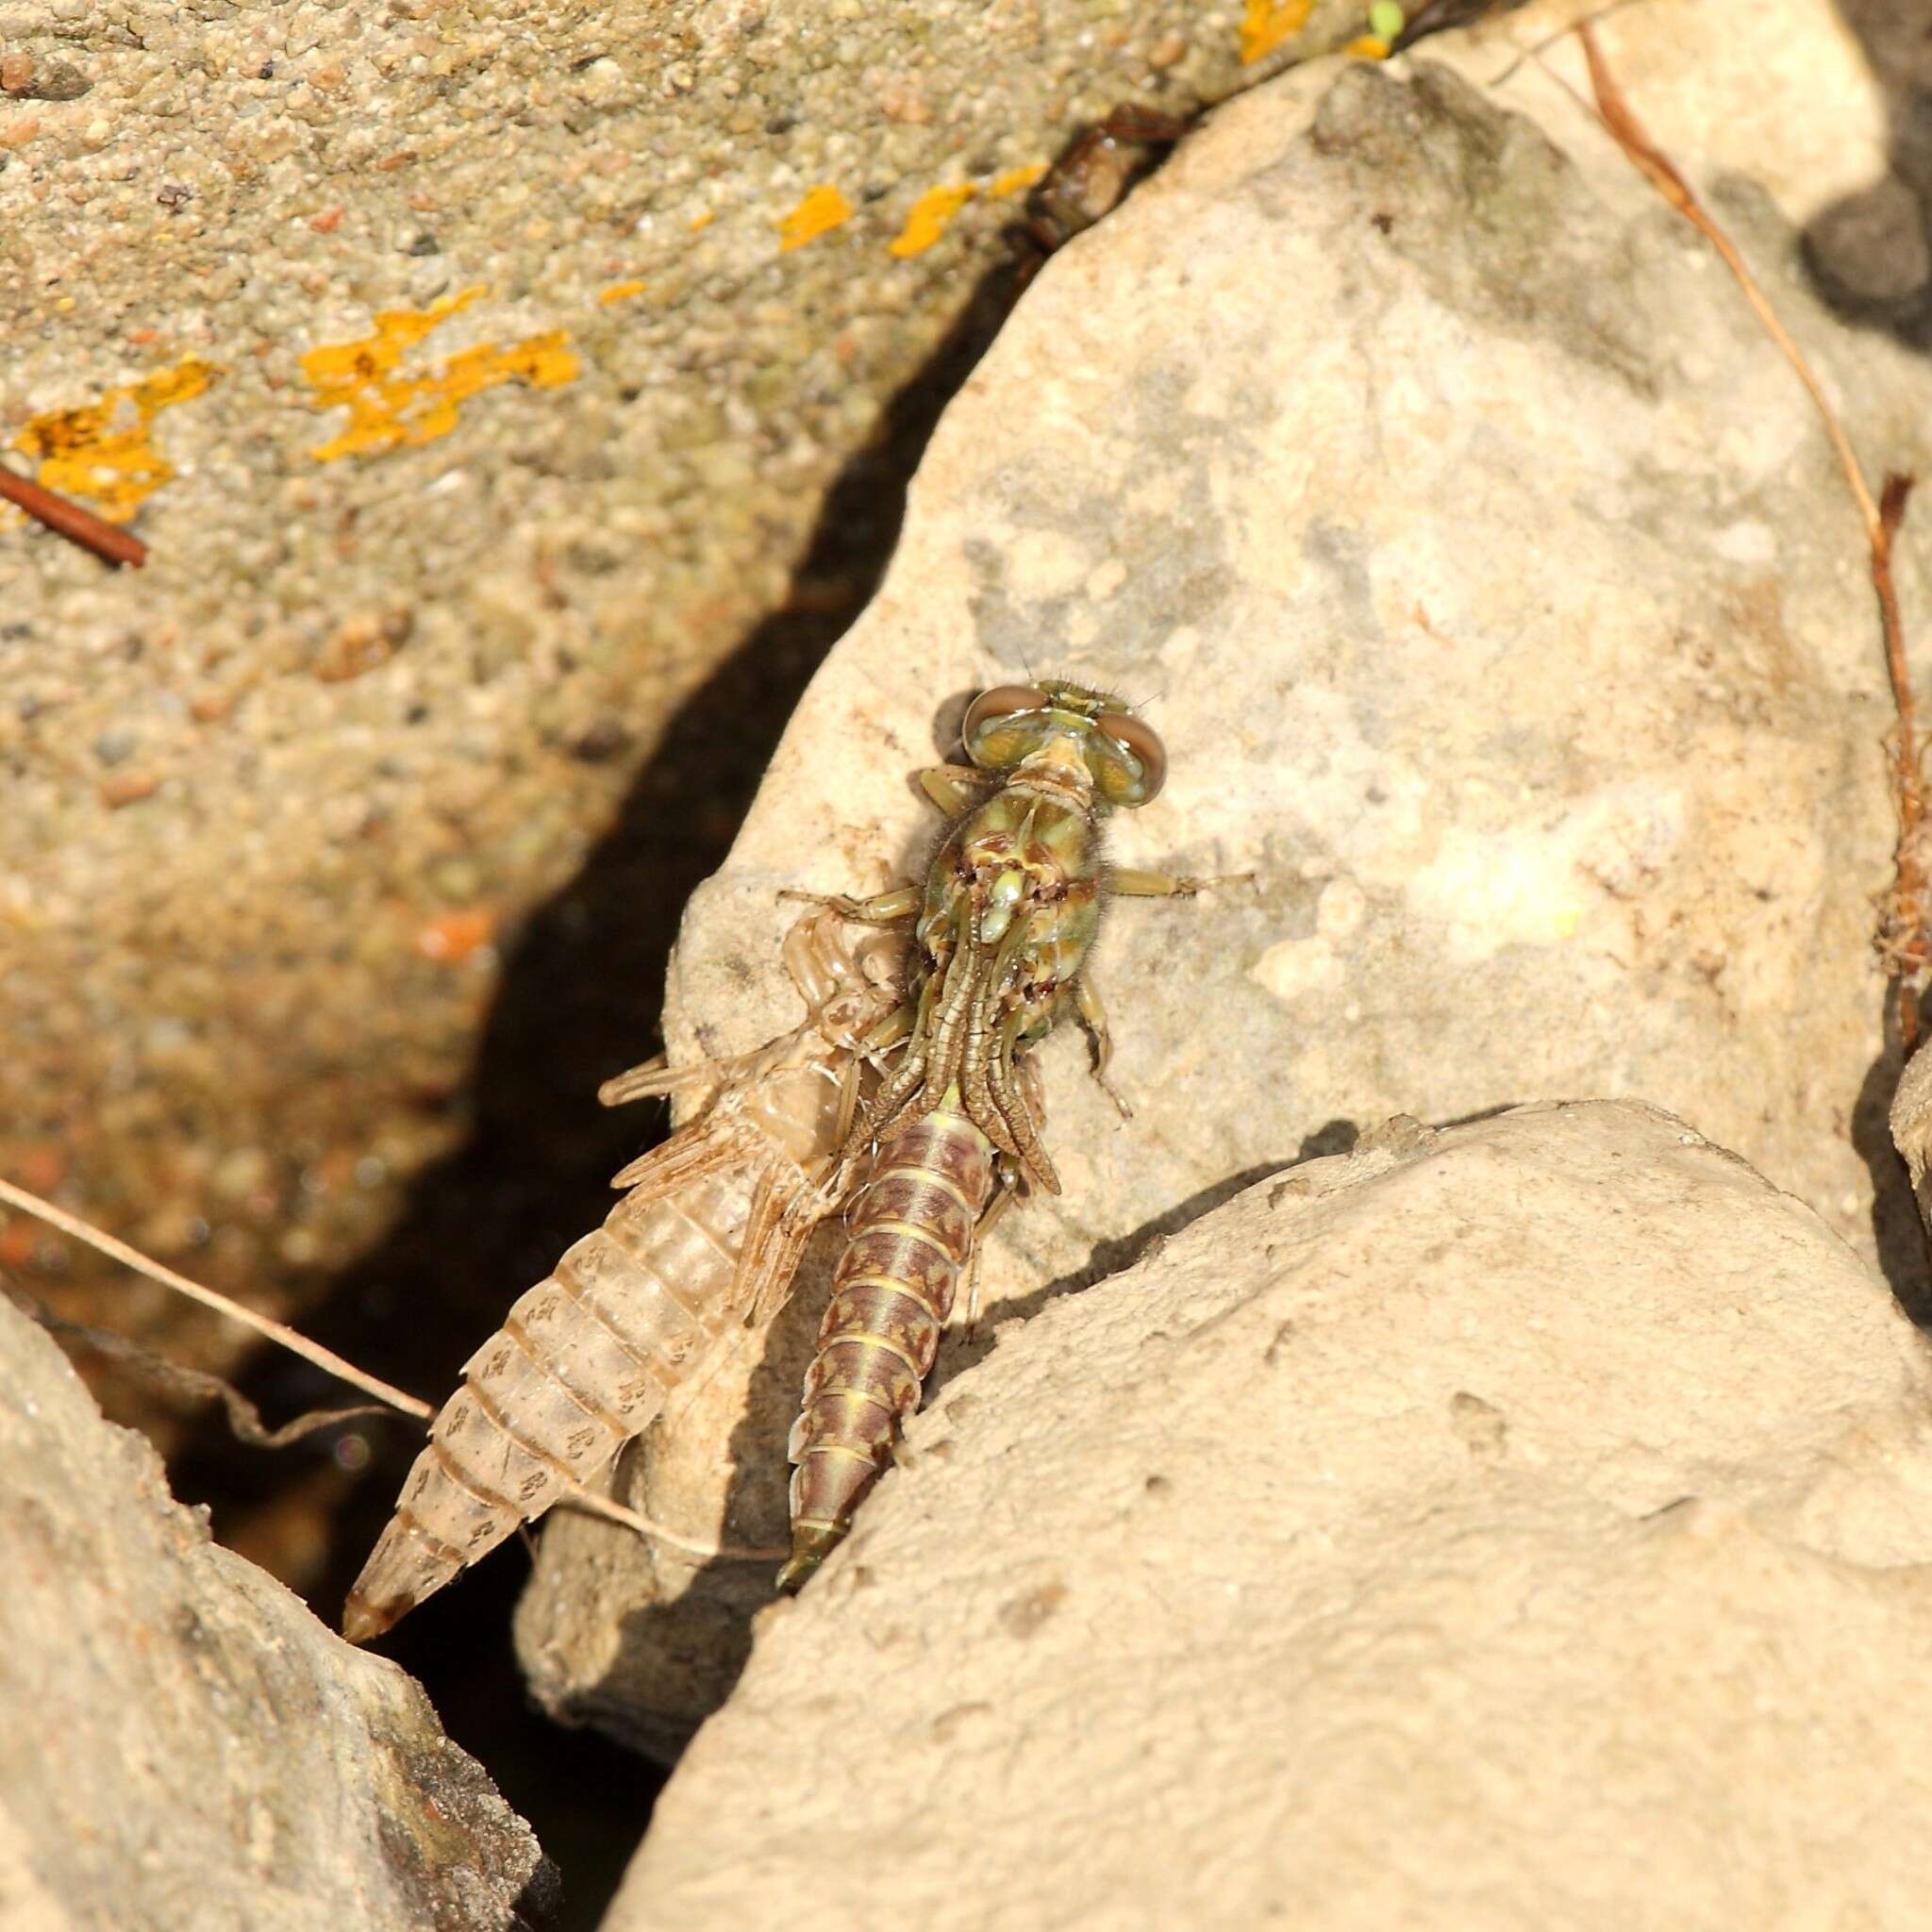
[77, 526]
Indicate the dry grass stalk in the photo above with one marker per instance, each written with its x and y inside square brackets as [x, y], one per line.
[327, 1358]
[1904, 941]
[209, 1298]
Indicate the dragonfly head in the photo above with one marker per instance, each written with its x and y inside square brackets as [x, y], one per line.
[1054, 723]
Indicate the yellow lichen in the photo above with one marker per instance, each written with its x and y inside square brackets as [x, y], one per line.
[702, 220]
[1367, 47]
[823, 208]
[389, 410]
[621, 292]
[1016, 180]
[926, 221]
[1267, 22]
[102, 451]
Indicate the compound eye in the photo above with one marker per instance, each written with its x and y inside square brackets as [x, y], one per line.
[1002, 701]
[1144, 741]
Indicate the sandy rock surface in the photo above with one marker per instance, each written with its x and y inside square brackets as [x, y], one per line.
[480, 375]
[183, 1748]
[1497, 594]
[1515, 1527]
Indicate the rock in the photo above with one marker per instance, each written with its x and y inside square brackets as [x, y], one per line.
[1496, 587]
[183, 1747]
[1518, 1526]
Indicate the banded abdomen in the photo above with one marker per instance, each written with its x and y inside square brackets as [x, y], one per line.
[911, 1237]
[712, 1228]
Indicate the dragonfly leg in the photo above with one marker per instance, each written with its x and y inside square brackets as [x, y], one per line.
[1094, 1017]
[888, 1032]
[1131, 882]
[1003, 1197]
[883, 1034]
[882, 909]
[957, 788]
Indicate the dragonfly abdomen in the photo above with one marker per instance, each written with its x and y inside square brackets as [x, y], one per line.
[582, 1363]
[912, 1238]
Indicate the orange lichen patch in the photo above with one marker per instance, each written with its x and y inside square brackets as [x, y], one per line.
[452, 936]
[101, 450]
[1368, 47]
[621, 292]
[1016, 180]
[1267, 22]
[389, 410]
[926, 221]
[703, 220]
[821, 210]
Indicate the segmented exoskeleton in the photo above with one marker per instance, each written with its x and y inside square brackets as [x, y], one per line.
[1005, 919]
[710, 1234]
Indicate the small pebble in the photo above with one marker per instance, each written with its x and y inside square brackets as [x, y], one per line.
[63, 81]
[130, 788]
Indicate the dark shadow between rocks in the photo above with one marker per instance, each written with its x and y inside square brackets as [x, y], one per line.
[1896, 1230]
[1869, 254]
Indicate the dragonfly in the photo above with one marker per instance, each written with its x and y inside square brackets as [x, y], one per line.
[908, 1099]
[1002, 928]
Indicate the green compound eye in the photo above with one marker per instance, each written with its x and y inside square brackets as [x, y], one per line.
[1138, 737]
[1002, 701]
[986, 745]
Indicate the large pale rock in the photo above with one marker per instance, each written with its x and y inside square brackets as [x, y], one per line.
[183, 1748]
[1496, 587]
[1515, 1527]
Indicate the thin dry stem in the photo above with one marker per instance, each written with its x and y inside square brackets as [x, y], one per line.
[1903, 939]
[578, 1497]
[196, 1385]
[275, 1331]
[590, 1501]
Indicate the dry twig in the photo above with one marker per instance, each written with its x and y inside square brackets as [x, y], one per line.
[245, 1419]
[1903, 939]
[111, 545]
[594, 1505]
[275, 1331]
[242, 1416]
